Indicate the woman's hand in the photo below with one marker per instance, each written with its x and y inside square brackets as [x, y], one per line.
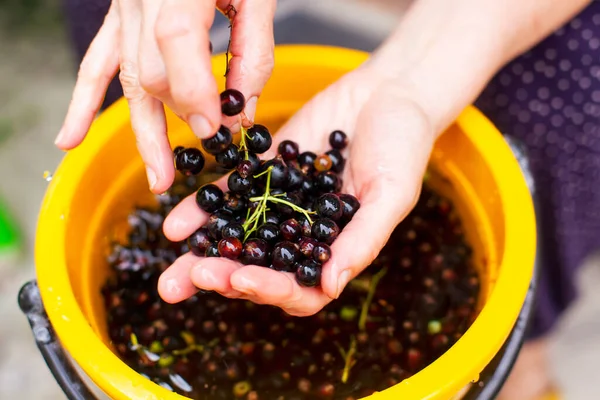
[390, 140]
[161, 48]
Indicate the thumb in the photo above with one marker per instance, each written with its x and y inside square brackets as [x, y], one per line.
[387, 159]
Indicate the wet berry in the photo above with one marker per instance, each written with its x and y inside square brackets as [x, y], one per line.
[189, 161]
[245, 168]
[269, 232]
[255, 252]
[258, 139]
[279, 173]
[288, 150]
[209, 198]
[295, 179]
[308, 273]
[216, 222]
[178, 149]
[239, 185]
[338, 140]
[233, 230]
[232, 102]
[330, 206]
[306, 161]
[199, 241]
[323, 163]
[212, 250]
[234, 203]
[325, 230]
[229, 157]
[219, 142]
[285, 255]
[327, 182]
[230, 248]
[350, 206]
[338, 162]
[307, 245]
[290, 230]
[321, 253]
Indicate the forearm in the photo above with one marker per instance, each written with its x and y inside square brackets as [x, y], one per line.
[444, 52]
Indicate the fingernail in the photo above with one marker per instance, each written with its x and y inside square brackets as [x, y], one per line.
[59, 137]
[250, 109]
[200, 126]
[151, 177]
[343, 280]
[245, 286]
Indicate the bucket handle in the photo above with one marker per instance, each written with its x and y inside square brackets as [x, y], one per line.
[30, 303]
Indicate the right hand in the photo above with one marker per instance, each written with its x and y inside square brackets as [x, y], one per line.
[161, 48]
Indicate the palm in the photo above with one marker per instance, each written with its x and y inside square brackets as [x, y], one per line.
[388, 149]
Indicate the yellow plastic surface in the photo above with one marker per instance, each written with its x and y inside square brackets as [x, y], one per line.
[97, 184]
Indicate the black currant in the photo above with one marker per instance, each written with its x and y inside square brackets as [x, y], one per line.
[308, 273]
[288, 150]
[330, 206]
[212, 250]
[279, 173]
[258, 139]
[306, 161]
[255, 252]
[219, 142]
[321, 253]
[216, 223]
[290, 230]
[327, 182]
[234, 203]
[307, 246]
[338, 140]
[338, 162]
[245, 168]
[229, 157]
[230, 248]
[232, 102]
[325, 230]
[233, 229]
[209, 197]
[178, 149]
[295, 179]
[285, 255]
[269, 232]
[199, 241]
[189, 161]
[239, 185]
[350, 206]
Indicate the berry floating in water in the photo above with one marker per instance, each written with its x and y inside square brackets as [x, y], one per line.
[232, 102]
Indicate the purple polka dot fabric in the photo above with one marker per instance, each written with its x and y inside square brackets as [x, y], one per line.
[549, 99]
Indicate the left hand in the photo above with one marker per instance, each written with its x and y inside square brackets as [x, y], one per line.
[390, 140]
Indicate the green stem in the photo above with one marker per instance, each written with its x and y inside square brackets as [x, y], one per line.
[294, 207]
[262, 205]
[348, 357]
[243, 136]
[365, 308]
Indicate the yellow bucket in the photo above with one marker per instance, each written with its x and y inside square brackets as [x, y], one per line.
[96, 185]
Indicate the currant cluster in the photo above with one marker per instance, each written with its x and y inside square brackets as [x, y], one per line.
[282, 213]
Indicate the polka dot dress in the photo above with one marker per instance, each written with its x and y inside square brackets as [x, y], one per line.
[549, 99]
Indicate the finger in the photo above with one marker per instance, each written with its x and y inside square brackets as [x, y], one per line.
[266, 286]
[97, 70]
[153, 75]
[252, 47]
[392, 129]
[187, 217]
[175, 285]
[147, 114]
[213, 274]
[182, 36]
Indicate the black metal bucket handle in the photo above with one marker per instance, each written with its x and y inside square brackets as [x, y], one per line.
[490, 382]
[55, 356]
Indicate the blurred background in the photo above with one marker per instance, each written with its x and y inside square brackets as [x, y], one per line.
[37, 74]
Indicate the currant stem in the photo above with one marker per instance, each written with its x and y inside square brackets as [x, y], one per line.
[362, 321]
[243, 146]
[294, 207]
[262, 205]
[348, 358]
